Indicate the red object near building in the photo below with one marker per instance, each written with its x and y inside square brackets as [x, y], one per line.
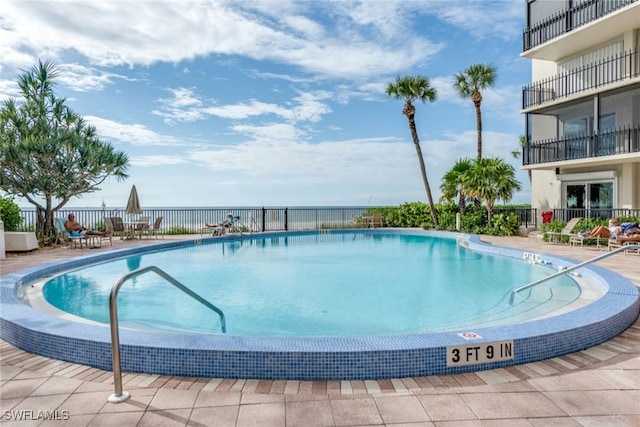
[546, 217]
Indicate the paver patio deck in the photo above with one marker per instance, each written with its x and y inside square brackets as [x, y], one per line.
[599, 386]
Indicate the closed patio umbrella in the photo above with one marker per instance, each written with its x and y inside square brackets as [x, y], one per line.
[133, 204]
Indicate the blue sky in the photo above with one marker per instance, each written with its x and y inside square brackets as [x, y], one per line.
[274, 103]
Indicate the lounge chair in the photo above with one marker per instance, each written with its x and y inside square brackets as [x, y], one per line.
[72, 241]
[556, 236]
[578, 239]
[216, 229]
[235, 225]
[625, 241]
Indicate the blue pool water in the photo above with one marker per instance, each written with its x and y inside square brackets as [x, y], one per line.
[339, 284]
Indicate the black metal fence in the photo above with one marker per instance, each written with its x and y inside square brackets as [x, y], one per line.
[578, 14]
[607, 71]
[623, 140]
[192, 220]
[527, 217]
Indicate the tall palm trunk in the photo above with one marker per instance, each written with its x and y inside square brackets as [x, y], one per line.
[477, 100]
[409, 111]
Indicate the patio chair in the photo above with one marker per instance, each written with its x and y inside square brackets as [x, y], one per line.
[155, 229]
[377, 220]
[141, 226]
[97, 240]
[535, 236]
[118, 228]
[373, 221]
[556, 236]
[72, 241]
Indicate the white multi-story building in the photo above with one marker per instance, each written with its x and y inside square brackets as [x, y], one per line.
[583, 106]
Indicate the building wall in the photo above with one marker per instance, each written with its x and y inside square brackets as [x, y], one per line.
[629, 196]
[545, 191]
[546, 188]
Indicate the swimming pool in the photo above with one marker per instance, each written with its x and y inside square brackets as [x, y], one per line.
[318, 358]
[331, 284]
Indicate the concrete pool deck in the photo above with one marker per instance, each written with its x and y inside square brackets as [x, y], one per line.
[597, 386]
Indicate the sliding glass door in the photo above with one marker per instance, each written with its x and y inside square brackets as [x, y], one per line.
[597, 197]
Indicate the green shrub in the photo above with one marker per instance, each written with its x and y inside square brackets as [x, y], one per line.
[10, 214]
[474, 220]
[418, 214]
[100, 226]
[504, 225]
[409, 215]
[180, 230]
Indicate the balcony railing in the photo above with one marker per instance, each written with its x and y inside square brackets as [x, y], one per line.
[579, 14]
[565, 215]
[611, 70]
[624, 140]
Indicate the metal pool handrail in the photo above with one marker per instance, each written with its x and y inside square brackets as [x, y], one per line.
[572, 268]
[118, 395]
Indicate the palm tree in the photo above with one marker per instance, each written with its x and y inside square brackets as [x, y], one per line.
[491, 179]
[453, 184]
[409, 89]
[469, 83]
[516, 153]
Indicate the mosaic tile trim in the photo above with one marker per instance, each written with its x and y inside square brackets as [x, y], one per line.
[339, 358]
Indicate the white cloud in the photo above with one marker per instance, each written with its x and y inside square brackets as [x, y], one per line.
[273, 132]
[334, 161]
[129, 134]
[141, 32]
[156, 160]
[81, 78]
[495, 18]
[9, 89]
[186, 106]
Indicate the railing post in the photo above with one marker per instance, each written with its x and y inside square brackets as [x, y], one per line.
[286, 219]
[264, 219]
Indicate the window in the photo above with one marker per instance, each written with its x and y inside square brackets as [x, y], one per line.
[576, 136]
[607, 135]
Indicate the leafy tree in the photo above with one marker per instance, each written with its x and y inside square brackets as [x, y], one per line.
[491, 179]
[469, 83]
[410, 89]
[453, 185]
[48, 153]
[10, 214]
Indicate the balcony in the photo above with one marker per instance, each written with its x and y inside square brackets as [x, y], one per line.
[577, 15]
[624, 140]
[588, 77]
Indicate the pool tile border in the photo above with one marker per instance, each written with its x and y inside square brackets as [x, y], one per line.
[314, 358]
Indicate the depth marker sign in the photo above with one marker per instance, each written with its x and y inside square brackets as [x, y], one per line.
[461, 355]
